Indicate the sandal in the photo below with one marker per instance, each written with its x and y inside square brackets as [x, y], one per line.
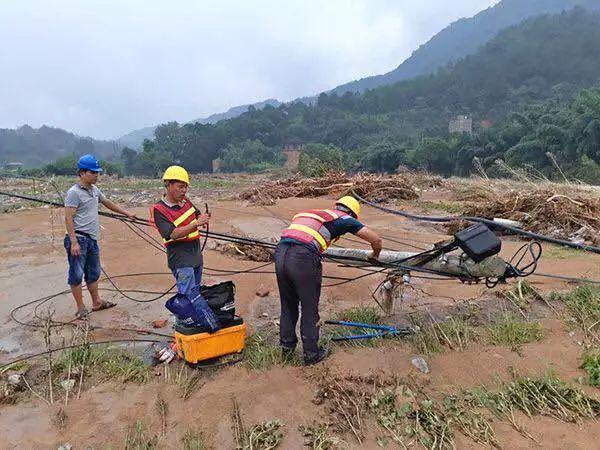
[82, 314]
[104, 305]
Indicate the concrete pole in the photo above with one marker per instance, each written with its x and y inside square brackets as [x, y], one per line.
[451, 264]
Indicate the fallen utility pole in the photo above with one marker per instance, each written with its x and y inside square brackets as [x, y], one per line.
[444, 264]
[457, 266]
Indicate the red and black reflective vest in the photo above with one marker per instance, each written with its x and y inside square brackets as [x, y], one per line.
[308, 227]
[181, 217]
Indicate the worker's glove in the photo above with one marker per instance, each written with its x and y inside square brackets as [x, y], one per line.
[167, 353]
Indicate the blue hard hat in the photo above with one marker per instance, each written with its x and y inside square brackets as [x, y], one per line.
[89, 162]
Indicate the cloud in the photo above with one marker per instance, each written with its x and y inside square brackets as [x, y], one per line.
[106, 67]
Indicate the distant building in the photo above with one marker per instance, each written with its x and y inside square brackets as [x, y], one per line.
[462, 124]
[292, 155]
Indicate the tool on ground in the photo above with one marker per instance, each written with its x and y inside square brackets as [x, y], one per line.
[384, 330]
[167, 353]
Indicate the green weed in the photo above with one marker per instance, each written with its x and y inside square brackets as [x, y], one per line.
[582, 309]
[434, 337]
[106, 362]
[548, 396]
[137, 438]
[193, 440]
[591, 364]
[511, 331]
[262, 353]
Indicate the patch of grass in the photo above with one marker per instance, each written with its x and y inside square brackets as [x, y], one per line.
[137, 438]
[434, 337]
[193, 440]
[316, 437]
[425, 340]
[509, 330]
[362, 315]
[547, 396]
[522, 293]
[262, 353]
[591, 364]
[582, 309]
[106, 363]
[122, 365]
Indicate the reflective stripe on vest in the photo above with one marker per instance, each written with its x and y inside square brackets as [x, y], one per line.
[308, 227]
[180, 217]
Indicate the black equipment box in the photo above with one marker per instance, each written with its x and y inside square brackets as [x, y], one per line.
[478, 242]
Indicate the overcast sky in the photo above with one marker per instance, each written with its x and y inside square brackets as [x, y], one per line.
[102, 68]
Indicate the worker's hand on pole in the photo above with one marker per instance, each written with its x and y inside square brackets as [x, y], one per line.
[75, 249]
[373, 257]
[131, 216]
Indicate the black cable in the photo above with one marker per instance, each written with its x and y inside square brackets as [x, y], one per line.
[566, 278]
[490, 223]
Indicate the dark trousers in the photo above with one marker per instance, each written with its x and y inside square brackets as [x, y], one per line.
[299, 275]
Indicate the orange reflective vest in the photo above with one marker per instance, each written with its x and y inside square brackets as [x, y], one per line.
[308, 227]
[183, 216]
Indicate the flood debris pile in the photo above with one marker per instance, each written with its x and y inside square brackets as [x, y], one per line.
[556, 215]
[377, 188]
[245, 251]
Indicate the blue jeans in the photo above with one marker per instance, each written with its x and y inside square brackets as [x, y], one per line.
[86, 265]
[189, 280]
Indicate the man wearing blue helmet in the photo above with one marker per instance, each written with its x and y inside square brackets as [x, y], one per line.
[83, 229]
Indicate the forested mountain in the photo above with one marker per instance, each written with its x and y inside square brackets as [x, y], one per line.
[465, 37]
[550, 58]
[135, 138]
[457, 40]
[34, 147]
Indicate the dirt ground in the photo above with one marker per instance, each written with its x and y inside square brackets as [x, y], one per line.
[34, 265]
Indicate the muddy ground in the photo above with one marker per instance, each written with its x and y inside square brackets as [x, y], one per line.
[34, 265]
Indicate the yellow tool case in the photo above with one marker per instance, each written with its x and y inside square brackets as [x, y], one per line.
[195, 345]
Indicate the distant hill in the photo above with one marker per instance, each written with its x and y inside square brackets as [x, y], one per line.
[459, 39]
[34, 147]
[546, 58]
[463, 38]
[236, 111]
[135, 138]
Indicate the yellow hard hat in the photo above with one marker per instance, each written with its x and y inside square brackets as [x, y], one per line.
[351, 203]
[176, 173]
